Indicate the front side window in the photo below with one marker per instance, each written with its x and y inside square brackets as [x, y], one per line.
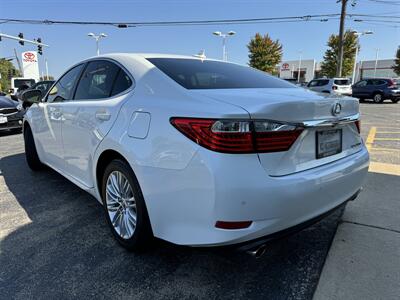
[63, 89]
[207, 74]
[97, 80]
[313, 83]
[361, 83]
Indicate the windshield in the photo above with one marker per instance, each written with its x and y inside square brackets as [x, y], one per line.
[20, 82]
[198, 74]
[342, 81]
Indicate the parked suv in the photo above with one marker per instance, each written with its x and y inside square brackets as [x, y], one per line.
[377, 89]
[341, 86]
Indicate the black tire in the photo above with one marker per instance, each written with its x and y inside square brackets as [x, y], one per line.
[377, 98]
[31, 155]
[142, 234]
[395, 100]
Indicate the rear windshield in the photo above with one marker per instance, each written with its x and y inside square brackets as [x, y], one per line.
[342, 81]
[20, 82]
[196, 74]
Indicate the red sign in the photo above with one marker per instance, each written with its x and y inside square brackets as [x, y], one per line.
[29, 57]
[285, 67]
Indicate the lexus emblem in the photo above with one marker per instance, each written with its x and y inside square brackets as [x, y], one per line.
[336, 109]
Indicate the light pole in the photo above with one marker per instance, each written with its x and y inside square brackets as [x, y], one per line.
[357, 34]
[376, 60]
[224, 36]
[97, 38]
[298, 73]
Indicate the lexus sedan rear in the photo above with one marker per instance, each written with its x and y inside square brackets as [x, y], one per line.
[196, 152]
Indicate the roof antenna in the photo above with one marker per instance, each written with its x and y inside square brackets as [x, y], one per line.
[201, 55]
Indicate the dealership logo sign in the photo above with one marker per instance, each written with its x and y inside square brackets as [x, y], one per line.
[29, 57]
[285, 67]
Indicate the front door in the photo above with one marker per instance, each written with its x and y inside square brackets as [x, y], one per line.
[49, 118]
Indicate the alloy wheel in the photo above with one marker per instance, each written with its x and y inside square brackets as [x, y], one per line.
[377, 98]
[121, 204]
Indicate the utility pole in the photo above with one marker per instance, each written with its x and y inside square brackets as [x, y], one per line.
[341, 36]
[18, 62]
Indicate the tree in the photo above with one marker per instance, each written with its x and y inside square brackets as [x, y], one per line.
[350, 44]
[265, 53]
[7, 70]
[396, 66]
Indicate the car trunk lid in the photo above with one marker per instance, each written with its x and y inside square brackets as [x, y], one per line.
[302, 107]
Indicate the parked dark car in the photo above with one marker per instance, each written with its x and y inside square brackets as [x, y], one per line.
[42, 86]
[11, 114]
[377, 89]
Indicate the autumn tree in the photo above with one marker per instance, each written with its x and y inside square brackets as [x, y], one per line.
[330, 62]
[265, 54]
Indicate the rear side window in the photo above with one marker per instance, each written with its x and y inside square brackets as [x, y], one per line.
[97, 80]
[198, 74]
[122, 83]
[342, 81]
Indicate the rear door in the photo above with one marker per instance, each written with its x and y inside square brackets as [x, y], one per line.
[90, 115]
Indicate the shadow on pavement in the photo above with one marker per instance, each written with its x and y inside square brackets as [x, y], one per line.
[66, 250]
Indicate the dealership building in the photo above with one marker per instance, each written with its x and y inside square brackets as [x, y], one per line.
[309, 69]
[367, 69]
[290, 69]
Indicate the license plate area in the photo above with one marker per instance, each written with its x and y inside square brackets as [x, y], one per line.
[3, 119]
[328, 142]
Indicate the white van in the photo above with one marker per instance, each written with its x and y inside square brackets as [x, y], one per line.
[18, 82]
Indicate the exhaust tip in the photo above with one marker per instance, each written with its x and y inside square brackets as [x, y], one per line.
[258, 252]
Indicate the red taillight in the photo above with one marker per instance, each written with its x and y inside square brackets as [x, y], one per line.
[358, 125]
[238, 136]
[391, 84]
[275, 141]
[233, 225]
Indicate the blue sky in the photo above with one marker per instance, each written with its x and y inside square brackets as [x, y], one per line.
[70, 44]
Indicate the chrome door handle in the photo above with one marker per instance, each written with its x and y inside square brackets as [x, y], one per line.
[103, 115]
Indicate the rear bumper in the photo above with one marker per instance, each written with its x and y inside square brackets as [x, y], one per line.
[218, 187]
[246, 246]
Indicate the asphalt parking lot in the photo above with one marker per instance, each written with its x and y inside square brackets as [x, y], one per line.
[54, 241]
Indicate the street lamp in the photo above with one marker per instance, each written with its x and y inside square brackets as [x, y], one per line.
[97, 38]
[358, 34]
[224, 36]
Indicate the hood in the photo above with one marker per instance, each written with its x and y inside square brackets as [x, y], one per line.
[7, 102]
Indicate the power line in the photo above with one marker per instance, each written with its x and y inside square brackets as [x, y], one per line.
[169, 23]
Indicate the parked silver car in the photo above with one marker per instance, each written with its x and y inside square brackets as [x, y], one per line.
[341, 86]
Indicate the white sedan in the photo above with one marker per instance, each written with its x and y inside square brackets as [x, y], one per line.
[195, 151]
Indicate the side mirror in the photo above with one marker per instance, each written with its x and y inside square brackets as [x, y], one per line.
[30, 97]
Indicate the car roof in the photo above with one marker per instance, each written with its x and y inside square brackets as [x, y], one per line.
[149, 55]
